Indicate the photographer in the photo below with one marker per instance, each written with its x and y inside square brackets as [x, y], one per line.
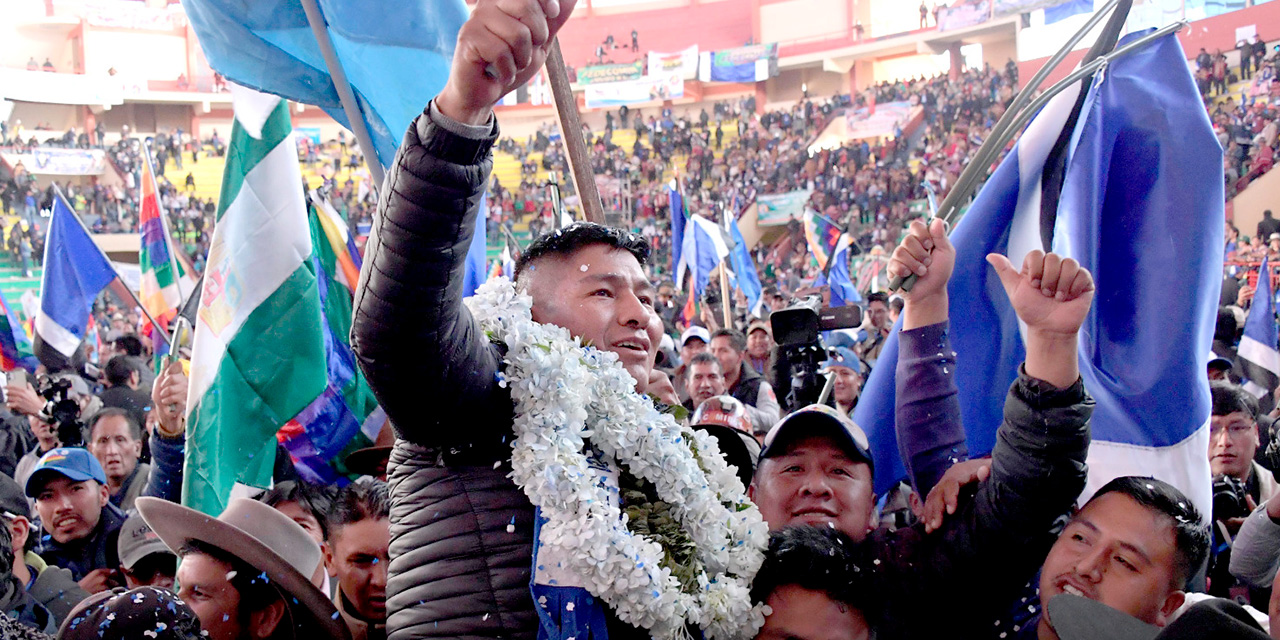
[1239, 483]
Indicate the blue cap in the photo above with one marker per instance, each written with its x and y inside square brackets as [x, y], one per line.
[843, 357]
[73, 463]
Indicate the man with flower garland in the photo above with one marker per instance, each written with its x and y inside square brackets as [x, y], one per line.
[461, 530]
[970, 565]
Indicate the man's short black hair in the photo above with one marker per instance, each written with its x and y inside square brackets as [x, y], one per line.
[705, 357]
[118, 370]
[897, 305]
[1230, 398]
[736, 340]
[135, 429]
[818, 559]
[578, 235]
[1191, 532]
[878, 296]
[359, 501]
[315, 499]
[130, 344]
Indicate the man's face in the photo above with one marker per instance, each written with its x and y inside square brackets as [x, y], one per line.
[815, 482]
[1119, 553]
[601, 295]
[1217, 374]
[112, 443]
[665, 294]
[758, 344]
[730, 358]
[358, 555]
[1233, 439]
[304, 518]
[42, 430]
[210, 594]
[704, 382]
[69, 510]
[804, 614]
[691, 348]
[879, 314]
[846, 385]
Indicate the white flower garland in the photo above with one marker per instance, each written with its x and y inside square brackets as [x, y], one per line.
[567, 395]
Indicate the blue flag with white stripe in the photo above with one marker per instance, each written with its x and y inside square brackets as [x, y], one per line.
[1142, 209]
[75, 271]
[704, 248]
[1257, 353]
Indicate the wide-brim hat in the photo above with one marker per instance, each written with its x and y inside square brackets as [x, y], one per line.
[263, 538]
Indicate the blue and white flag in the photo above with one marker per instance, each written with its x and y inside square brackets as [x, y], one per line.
[678, 219]
[396, 54]
[1142, 209]
[704, 248]
[843, 291]
[1257, 353]
[744, 268]
[75, 271]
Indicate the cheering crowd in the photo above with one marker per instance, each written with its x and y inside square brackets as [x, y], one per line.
[436, 535]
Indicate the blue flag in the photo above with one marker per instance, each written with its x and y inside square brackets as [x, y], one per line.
[677, 224]
[744, 268]
[75, 271]
[396, 55]
[704, 248]
[1258, 354]
[843, 291]
[476, 273]
[1142, 209]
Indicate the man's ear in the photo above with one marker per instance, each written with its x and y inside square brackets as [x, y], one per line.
[19, 530]
[263, 622]
[1171, 605]
[104, 495]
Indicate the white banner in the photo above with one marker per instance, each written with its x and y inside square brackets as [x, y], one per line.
[646, 89]
[60, 162]
[684, 63]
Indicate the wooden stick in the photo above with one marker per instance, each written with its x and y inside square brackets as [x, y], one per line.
[571, 128]
[726, 301]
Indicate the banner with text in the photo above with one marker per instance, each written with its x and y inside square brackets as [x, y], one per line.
[684, 63]
[59, 162]
[780, 208]
[599, 73]
[965, 13]
[646, 89]
[753, 63]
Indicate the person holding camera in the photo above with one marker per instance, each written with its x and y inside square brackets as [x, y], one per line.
[1239, 483]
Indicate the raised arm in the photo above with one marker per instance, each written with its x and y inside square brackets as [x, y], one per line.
[422, 352]
[927, 408]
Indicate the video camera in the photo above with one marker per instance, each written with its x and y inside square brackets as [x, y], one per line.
[64, 411]
[796, 331]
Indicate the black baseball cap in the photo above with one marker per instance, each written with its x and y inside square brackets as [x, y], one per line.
[819, 419]
[13, 500]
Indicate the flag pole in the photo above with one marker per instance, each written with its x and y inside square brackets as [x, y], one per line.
[57, 191]
[724, 293]
[571, 128]
[346, 96]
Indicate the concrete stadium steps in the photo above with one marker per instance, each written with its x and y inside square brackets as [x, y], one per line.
[13, 284]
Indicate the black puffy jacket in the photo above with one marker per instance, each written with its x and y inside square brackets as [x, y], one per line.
[461, 531]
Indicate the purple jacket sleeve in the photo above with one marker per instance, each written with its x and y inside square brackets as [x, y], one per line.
[927, 411]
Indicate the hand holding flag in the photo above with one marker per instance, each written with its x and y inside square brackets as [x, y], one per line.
[927, 253]
[503, 44]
